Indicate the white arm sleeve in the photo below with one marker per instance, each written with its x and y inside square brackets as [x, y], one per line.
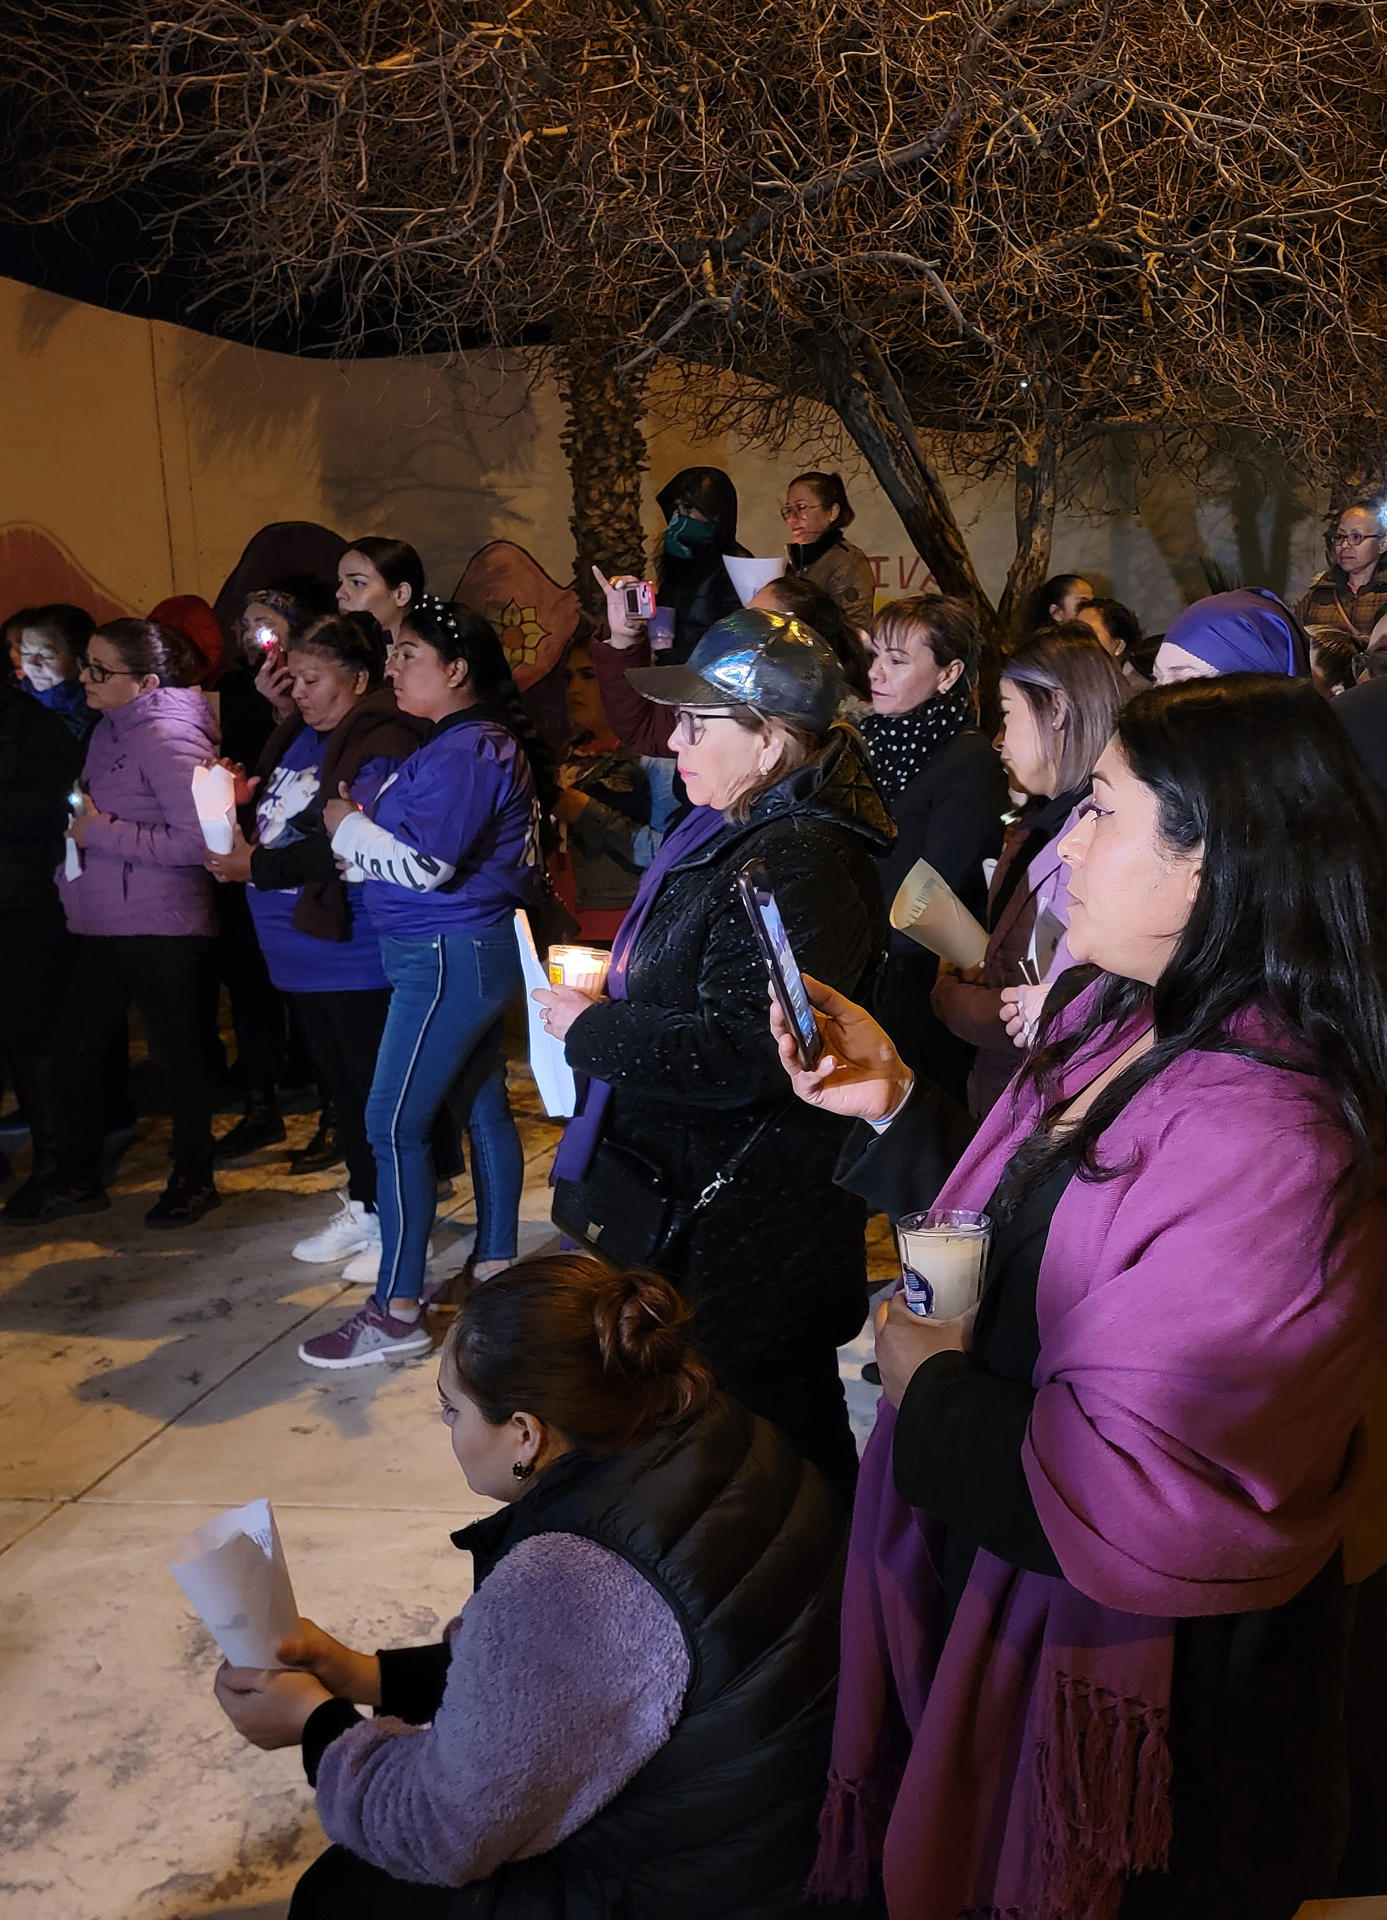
[380, 856]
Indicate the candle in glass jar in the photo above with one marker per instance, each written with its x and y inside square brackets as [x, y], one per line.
[582, 967]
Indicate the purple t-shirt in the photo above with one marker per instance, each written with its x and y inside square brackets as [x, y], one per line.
[299, 962]
[464, 800]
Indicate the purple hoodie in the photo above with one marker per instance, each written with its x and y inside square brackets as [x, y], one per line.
[142, 868]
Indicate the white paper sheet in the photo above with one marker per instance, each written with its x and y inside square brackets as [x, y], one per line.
[233, 1570]
[548, 1061]
[927, 908]
[214, 796]
[748, 576]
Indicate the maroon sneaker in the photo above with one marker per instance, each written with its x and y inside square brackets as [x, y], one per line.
[369, 1335]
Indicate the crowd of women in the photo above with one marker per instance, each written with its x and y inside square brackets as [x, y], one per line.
[1094, 1629]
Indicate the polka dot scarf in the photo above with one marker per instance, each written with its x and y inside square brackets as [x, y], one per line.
[900, 743]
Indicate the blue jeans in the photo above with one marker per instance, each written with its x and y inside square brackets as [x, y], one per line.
[446, 1014]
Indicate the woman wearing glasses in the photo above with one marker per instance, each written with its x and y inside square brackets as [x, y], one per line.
[135, 889]
[1352, 591]
[816, 515]
[683, 1090]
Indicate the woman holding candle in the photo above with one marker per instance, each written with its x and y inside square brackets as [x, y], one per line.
[1096, 1616]
[449, 848]
[684, 1093]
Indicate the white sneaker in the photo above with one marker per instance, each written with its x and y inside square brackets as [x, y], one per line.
[364, 1270]
[352, 1229]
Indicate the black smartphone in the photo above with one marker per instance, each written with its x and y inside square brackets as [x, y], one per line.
[787, 983]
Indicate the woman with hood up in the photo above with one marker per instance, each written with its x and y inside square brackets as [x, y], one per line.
[700, 509]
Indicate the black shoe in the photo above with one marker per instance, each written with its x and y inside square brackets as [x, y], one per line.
[262, 1125]
[324, 1150]
[182, 1201]
[40, 1199]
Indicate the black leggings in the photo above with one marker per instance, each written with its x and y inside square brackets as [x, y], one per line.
[160, 974]
[343, 1032]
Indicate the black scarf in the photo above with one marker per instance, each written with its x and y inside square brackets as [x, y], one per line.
[901, 743]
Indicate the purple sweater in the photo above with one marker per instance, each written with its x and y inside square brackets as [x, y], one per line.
[568, 1674]
[142, 868]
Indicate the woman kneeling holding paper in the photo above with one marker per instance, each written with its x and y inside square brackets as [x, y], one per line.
[1099, 1668]
[630, 1717]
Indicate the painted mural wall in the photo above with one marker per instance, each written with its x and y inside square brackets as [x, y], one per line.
[139, 458]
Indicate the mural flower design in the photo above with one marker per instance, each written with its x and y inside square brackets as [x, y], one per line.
[522, 633]
[535, 617]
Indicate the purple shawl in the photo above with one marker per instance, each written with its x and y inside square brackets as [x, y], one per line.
[1247, 631]
[584, 1130]
[1202, 1371]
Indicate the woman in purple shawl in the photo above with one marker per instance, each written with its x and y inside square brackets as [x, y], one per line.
[1247, 631]
[1095, 1614]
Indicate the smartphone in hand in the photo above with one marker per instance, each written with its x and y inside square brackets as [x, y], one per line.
[787, 983]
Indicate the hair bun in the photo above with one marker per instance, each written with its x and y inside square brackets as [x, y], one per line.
[642, 1326]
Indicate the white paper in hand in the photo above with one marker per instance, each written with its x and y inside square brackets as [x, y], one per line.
[233, 1571]
[927, 908]
[214, 796]
[548, 1061]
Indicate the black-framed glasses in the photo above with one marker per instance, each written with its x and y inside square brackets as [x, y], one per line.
[100, 675]
[1352, 539]
[690, 725]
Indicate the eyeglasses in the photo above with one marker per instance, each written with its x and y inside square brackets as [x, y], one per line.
[1352, 539]
[690, 726]
[801, 513]
[99, 675]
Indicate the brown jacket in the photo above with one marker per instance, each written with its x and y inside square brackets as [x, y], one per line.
[846, 575]
[1331, 602]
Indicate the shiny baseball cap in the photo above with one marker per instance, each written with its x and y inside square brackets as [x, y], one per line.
[770, 662]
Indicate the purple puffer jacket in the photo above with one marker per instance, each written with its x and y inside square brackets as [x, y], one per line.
[142, 868]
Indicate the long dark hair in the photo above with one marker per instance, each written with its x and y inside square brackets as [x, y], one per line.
[1290, 917]
[455, 633]
[396, 561]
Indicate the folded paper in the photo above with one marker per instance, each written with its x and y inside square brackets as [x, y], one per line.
[548, 1060]
[931, 913]
[233, 1570]
[214, 796]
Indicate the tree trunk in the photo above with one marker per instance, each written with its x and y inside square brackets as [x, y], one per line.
[862, 391]
[604, 442]
[1034, 500]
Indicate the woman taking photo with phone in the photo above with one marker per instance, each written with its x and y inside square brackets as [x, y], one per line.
[630, 1714]
[1096, 1618]
[449, 848]
[685, 1137]
[1061, 693]
[136, 892]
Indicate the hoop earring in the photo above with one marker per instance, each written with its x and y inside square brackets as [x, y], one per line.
[523, 1472]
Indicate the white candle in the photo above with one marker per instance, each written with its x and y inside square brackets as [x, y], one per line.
[943, 1257]
[583, 967]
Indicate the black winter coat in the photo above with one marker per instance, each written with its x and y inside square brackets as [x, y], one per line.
[745, 1544]
[39, 761]
[775, 1265]
[951, 815]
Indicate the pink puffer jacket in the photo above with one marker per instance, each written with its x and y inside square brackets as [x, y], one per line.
[142, 868]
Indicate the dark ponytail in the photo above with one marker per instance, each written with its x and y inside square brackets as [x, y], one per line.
[454, 633]
[602, 1357]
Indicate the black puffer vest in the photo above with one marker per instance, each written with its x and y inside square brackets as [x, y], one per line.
[745, 1542]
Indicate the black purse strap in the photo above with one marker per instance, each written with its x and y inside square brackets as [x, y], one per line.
[728, 1174]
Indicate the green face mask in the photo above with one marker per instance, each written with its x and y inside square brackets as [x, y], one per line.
[684, 535]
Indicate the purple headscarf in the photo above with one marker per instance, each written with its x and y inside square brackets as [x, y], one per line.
[1247, 631]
